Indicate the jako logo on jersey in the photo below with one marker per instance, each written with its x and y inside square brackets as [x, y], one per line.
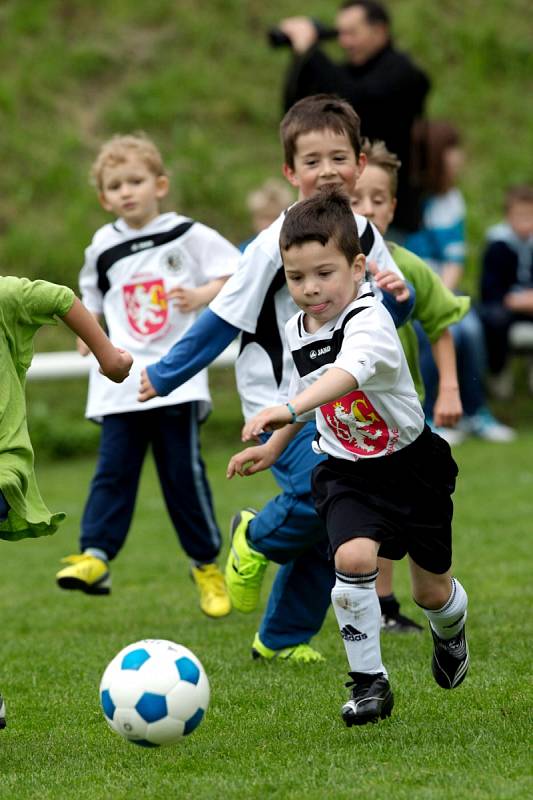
[141, 245]
[356, 424]
[146, 307]
[320, 352]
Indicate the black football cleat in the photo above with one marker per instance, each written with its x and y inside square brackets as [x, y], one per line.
[398, 623]
[371, 699]
[450, 660]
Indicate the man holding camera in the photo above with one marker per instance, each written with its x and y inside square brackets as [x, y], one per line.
[386, 89]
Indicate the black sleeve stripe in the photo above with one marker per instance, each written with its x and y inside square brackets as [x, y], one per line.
[367, 239]
[109, 257]
[267, 333]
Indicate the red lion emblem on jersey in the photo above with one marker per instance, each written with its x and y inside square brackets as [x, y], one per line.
[146, 306]
[356, 424]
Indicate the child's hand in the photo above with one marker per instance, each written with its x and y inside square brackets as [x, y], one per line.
[81, 347]
[448, 409]
[146, 390]
[186, 299]
[258, 458]
[270, 419]
[389, 281]
[117, 367]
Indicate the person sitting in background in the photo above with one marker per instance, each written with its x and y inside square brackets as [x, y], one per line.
[507, 285]
[265, 204]
[440, 242]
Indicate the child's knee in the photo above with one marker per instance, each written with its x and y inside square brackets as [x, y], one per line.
[434, 593]
[357, 556]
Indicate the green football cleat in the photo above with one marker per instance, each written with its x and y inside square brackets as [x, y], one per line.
[85, 573]
[245, 568]
[298, 654]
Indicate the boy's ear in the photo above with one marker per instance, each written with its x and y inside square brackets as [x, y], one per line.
[289, 173]
[162, 186]
[361, 163]
[359, 266]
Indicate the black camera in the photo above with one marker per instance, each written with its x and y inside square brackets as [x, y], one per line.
[277, 38]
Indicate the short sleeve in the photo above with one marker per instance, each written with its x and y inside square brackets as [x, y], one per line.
[213, 255]
[41, 302]
[91, 296]
[370, 351]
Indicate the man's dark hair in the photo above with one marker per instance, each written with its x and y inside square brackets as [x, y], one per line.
[325, 216]
[376, 13]
[319, 112]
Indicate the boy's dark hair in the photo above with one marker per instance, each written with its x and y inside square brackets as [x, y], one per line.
[522, 193]
[376, 13]
[319, 112]
[377, 155]
[324, 216]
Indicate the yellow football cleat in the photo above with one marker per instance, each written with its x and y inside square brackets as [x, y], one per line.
[214, 599]
[245, 567]
[296, 654]
[86, 574]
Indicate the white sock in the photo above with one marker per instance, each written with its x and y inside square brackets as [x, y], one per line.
[449, 620]
[96, 552]
[358, 613]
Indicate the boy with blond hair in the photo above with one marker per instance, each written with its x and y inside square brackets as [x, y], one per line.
[24, 307]
[147, 273]
[387, 481]
[322, 146]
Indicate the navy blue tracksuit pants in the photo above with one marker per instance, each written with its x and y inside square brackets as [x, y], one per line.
[173, 433]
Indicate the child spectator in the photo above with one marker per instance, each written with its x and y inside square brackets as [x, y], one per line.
[24, 307]
[322, 146]
[507, 284]
[265, 204]
[147, 274]
[441, 243]
[436, 308]
[387, 481]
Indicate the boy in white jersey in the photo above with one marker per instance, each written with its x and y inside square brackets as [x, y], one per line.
[147, 273]
[387, 481]
[322, 146]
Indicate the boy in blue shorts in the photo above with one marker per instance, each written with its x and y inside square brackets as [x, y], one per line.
[322, 146]
[24, 307]
[386, 484]
[147, 273]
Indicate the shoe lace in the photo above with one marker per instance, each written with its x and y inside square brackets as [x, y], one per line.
[361, 679]
[305, 653]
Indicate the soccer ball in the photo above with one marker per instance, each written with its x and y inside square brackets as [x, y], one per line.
[154, 692]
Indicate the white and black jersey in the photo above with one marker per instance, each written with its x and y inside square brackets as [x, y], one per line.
[257, 301]
[383, 414]
[126, 277]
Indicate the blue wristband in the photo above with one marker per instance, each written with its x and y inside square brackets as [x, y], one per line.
[292, 411]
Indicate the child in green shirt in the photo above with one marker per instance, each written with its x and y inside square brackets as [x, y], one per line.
[24, 307]
[436, 308]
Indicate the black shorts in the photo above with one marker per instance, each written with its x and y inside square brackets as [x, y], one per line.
[402, 501]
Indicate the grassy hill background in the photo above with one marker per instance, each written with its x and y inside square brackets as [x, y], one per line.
[202, 81]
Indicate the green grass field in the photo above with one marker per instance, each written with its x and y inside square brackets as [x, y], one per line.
[271, 730]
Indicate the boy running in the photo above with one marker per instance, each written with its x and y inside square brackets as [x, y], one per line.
[147, 274]
[387, 481]
[322, 146]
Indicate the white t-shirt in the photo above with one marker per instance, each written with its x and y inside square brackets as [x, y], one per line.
[256, 300]
[126, 275]
[383, 414]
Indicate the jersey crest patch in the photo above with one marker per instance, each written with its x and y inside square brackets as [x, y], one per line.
[146, 307]
[172, 260]
[356, 424]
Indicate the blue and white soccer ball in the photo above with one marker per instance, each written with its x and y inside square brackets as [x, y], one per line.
[154, 692]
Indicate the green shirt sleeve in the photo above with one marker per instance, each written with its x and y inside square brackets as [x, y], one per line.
[436, 307]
